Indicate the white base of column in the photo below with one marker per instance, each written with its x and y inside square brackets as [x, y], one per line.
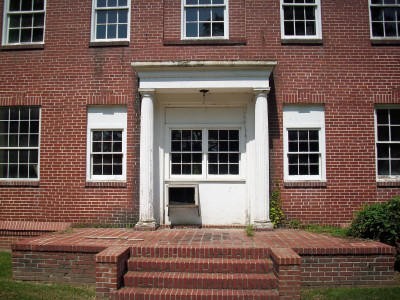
[263, 225]
[146, 226]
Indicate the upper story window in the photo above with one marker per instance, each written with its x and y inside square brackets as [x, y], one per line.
[304, 142]
[110, 20]
[106, 143]
[19, 142]
[202, 19]
[24, 22]
[388, 142]
[301, 19]
[385, 19]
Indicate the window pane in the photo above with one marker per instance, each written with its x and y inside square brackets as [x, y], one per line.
[205, 14]
[383, 150]
[15, 21]
[288, 13]
[23, 156]
[310, 28]
[15, 5]
[390, 29]
[383, 133]
[122, 31]
[123, 16]
[218, 29]
[217, 14]
[395, 167]
[117, 146]
[26, 20]
[38, 4]
[395, 133]
[204, 29]
[233, 169]
[112, 16]
[382, 116]
[38, 19]
[37, 35]
[23, 171]
[13, 171]
[395, 115]
[122, 2]
[26, 35]
[299, 13]
[33, 171]
[376, 14]
[293, 170]
[101, 32]
[300, 28]
[377, 29]
[112, 3]
[35, 113]
[383, 167]
[102, 17]
[212, 169]
[3, 140]
[394, 151]
[107, 169]
[117, 170]
[314, 170]
[293, 147]
[33, 156]
[111, 31]
[223, 169]
[26, 5]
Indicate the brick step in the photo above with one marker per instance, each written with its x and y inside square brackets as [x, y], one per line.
[200, 280]
[200, 252]
[200, 265]
[190, 294]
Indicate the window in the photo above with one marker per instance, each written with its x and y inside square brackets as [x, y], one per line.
[106, 143]
[385, 19]
[304, 143]
[205, 19]
[388, 142]
[24, 22]
[110, 20]
[301, 19]
[205, 152]
[19, 142]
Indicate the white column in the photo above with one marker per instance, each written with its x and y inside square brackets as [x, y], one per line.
[261, 201]
[146, 213]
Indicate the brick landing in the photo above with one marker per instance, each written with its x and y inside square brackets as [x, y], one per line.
[201, 263]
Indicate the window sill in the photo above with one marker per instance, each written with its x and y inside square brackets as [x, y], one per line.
[109, 44]
[105, 184]
[392, 183]
[385, 41]
[23, 47]
[201, 180]
[305, 184]
[206, 42]
[299, 41]
[19, 183]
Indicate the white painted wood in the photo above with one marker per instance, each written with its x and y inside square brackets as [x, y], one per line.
[261, 200]
[146, 213]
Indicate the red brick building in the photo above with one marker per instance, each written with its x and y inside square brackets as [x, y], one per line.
[193, 111]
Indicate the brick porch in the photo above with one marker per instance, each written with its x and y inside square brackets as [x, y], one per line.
[202, 263]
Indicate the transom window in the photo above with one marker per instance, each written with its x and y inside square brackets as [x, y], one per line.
[24, 21]
[388, 142]
[303, 153]
[204, 19]
[205, 151]
[300, 19]
[111, 20]
[107, 152]
[19, 142]
[385, 18]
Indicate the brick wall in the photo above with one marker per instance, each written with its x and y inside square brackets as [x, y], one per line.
[339, 270]
[346, 73]
[61, 267]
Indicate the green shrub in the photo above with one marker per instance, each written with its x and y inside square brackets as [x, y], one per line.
[275, 211]
[379, 221]
[250, 230]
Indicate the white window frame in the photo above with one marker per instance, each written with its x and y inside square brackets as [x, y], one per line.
[382, 38]
[27, 148]
[226, 22]
[382, 178]
[106, 118]
[93, 23]
[304, 117]
[318, 22]
[204, 176]
[6, 13]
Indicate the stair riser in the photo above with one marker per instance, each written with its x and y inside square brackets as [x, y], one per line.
[170, 252]
[193, 282]
[181, 295]
[199, 267]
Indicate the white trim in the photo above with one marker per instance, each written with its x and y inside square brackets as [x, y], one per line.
[318, 22]
[5, 31]
[315, 119]
[93, 24]
[226, 23]
[99, 118]
[182, 185]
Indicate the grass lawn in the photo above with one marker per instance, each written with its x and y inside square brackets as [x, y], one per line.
[386, 293]
[18, 290]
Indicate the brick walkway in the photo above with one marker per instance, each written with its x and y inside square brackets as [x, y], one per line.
[92, 240]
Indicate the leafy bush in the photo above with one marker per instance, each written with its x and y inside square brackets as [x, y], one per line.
[379, 221]
[275, 211]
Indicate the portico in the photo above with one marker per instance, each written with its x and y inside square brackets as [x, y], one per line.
[204, 134]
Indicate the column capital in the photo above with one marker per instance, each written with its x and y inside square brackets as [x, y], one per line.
[148, 92]
[258, 91]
